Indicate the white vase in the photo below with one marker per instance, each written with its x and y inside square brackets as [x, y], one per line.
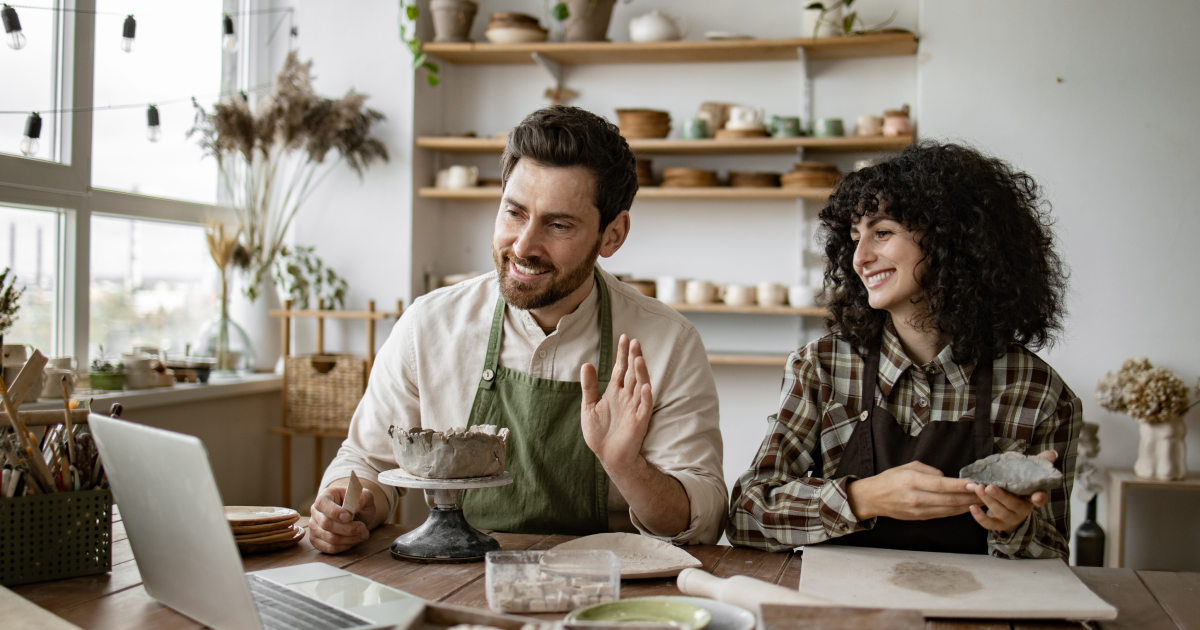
[255, 319]
[1162, 451]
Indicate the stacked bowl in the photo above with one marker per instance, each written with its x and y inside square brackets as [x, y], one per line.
[812, 175]
[643, 123]
[257, 529]
[688, 178]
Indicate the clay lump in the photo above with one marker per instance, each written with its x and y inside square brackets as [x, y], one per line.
[1017, 473]
[459, 453]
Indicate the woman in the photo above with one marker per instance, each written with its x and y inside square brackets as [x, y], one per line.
[943, 275]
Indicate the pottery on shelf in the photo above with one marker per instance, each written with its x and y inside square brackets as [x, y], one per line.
[452, 19]
[514, 28]
[588, 20]
[456, 454]
[657, 26]
[1162, 451]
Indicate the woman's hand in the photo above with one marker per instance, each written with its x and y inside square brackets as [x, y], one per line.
[1006, 511]
[912, 492]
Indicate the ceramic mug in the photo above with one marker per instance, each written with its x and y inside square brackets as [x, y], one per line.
[458, 177]
[15, 353]
[744, 117]
[670, 290]
[897, 126]
[869, 126]
[785, 127]
[801, 296]
[739, 295]
[828, 128]
[694, 129]
[700, 292]
[771, 294]
[53, 387]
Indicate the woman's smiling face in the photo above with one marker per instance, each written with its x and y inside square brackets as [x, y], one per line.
[890, 263]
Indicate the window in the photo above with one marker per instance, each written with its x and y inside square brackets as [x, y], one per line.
[174, 58]
[35, 68]
[29, 242]
[153, 283]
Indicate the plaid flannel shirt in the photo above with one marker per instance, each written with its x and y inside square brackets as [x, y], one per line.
[777, 505]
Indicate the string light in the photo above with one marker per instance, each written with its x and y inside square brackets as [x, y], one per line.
[229, 39]
[127, 34]
[153, 129]
[33, 131]
[12, 28]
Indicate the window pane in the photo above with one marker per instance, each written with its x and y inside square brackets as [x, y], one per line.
[176, 55]
[30, 81]
[153, 283]
[29, 248]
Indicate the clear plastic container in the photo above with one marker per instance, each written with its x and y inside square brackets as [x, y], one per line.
[551, 581]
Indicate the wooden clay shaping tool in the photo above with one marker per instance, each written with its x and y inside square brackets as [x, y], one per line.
[353, 493]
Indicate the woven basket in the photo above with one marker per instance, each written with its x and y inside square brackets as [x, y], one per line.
[55, 536]
[324, 390]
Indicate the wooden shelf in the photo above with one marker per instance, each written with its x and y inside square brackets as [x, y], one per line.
[655, 192]
[768, 360]
[336, 314]
[749, 310]
[744, 146]
[894, 44]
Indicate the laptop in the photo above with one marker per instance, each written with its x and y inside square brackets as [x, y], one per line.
[189, 561]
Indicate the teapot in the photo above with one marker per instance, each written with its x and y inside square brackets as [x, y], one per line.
[657, 26]
[745, 118]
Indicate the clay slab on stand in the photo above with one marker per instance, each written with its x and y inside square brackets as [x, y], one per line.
[949, 584]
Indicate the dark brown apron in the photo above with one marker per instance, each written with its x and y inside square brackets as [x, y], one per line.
[878, 444]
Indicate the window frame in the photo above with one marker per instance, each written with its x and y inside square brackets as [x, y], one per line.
[67, 188]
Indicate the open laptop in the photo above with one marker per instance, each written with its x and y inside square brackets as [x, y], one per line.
[189, 561]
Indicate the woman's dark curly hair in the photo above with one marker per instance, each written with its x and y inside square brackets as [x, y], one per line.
[992, 276]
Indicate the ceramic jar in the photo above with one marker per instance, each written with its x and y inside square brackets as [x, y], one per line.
[657, 26]
[452, 19]
[700, 292]
[897, 123]
[1162, 451]
[670, 290]
[588, 21]
[739, 295]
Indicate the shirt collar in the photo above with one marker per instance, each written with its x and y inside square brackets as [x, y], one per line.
[894, 361]
[958, 375]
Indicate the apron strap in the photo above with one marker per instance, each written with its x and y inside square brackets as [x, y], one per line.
[982, 382]
[492, 360]
[866, 447]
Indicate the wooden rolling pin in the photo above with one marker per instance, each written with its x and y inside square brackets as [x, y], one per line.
[743, 591]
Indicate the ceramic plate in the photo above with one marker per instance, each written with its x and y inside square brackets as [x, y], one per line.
[641, 556]
[242, 530]
[256, 515]
[724, 616]
[265, 537]
[252, 547]
[653, 610]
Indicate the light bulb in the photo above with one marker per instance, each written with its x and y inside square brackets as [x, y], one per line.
[12, 28]
[153, 129]
[127, 34]
[229, 39]
[33, 130]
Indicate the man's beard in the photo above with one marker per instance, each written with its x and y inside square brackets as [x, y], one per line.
[562, 282]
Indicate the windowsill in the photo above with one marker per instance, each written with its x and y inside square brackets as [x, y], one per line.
[179, 394]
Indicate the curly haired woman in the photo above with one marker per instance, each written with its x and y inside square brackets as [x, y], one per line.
[943, 275]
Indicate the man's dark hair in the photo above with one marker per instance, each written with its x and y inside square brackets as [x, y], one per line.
[992, 276]
[569, 136]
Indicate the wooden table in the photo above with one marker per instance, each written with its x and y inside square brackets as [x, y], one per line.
[1120, 482]
[1146, 600]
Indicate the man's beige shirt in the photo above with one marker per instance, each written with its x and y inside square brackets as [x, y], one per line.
[428, 371]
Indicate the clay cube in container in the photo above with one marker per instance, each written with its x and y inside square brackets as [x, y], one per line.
[551, 581]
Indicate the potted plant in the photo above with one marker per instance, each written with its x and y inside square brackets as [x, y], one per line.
[302, 275]
[104, 375]
[584, 20]
[1157, 398]
[823, 19]
[409, 12]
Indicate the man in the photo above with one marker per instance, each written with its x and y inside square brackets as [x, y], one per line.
[637, 451]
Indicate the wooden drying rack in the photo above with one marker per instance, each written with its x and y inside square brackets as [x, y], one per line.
[285, 432]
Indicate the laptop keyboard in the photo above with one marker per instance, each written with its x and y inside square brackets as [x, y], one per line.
[282, 608]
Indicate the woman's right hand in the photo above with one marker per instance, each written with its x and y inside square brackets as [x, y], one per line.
[912, 492]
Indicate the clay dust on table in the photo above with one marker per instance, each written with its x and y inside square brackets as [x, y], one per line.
[935, 579]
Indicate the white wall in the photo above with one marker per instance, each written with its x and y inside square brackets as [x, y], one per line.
[1113, 143]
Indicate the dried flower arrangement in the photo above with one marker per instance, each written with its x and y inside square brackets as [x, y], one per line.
[271, 160]
[9, 294]
[1147, 393]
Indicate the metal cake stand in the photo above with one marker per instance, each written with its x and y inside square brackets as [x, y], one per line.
[445, 536]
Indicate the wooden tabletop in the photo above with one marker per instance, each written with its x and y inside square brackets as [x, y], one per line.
[1147, 600]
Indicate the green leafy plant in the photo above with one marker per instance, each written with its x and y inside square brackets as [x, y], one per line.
[849, 20]
[9, 294]
[409, 12]
[102, 365]
[304, 276]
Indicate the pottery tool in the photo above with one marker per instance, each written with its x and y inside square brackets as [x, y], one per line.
[353, 493]
[445, 536]
[70, 437]
[27, 377]
[747, 592]
[41, 472]
[962, 586]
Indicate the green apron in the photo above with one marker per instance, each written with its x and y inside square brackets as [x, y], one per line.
[560, 486]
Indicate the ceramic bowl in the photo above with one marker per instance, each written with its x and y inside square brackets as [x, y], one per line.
[648, 610]
[512, 35]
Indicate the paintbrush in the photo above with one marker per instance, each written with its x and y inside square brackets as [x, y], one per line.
[70, 437]
[37, 466]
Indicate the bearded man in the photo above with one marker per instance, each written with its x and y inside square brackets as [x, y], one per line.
[631, 445]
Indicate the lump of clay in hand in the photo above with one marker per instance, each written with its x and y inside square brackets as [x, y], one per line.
[1014, 472]
[456, 454]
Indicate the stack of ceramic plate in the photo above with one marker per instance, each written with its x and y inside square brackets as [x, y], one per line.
[258, 529]
[812, 175]
[514, 28]
[645, 174]
[643, 123]
[688, 178]
[750, 179]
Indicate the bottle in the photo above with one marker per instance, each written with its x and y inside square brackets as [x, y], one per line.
[1089, 540]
